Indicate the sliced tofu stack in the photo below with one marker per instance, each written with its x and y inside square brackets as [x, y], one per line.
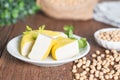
[64, 48]
[41, 48]
[27, 40]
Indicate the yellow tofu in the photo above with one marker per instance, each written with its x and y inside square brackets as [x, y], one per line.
[64, 48]
[41, 48]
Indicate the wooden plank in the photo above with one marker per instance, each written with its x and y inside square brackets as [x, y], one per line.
[4, 34]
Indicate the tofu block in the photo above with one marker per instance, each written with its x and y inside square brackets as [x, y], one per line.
[41, 48]
[65, 48]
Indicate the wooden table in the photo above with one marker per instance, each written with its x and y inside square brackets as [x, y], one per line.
[14, 69]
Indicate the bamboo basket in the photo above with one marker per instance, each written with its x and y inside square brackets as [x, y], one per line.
[68, 9]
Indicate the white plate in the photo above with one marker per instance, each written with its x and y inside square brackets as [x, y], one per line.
[13, 49]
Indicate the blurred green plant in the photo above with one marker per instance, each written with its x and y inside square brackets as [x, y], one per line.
[12, 10]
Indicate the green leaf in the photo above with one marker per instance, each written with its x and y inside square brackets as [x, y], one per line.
[68, 30]
[82, 43]
[41, 28]
[70, 33]
[26, 32]
[6, 5]
[28, 29]
[15, 13]
[21, 4]
[10, 1]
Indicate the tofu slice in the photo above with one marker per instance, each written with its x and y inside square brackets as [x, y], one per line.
[60, 35]
[26, 44]
[53, 34]
[65, 48]
[26, 48]
[41, 48]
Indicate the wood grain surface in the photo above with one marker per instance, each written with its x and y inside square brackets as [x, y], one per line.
[4, 34]
[14, 69]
